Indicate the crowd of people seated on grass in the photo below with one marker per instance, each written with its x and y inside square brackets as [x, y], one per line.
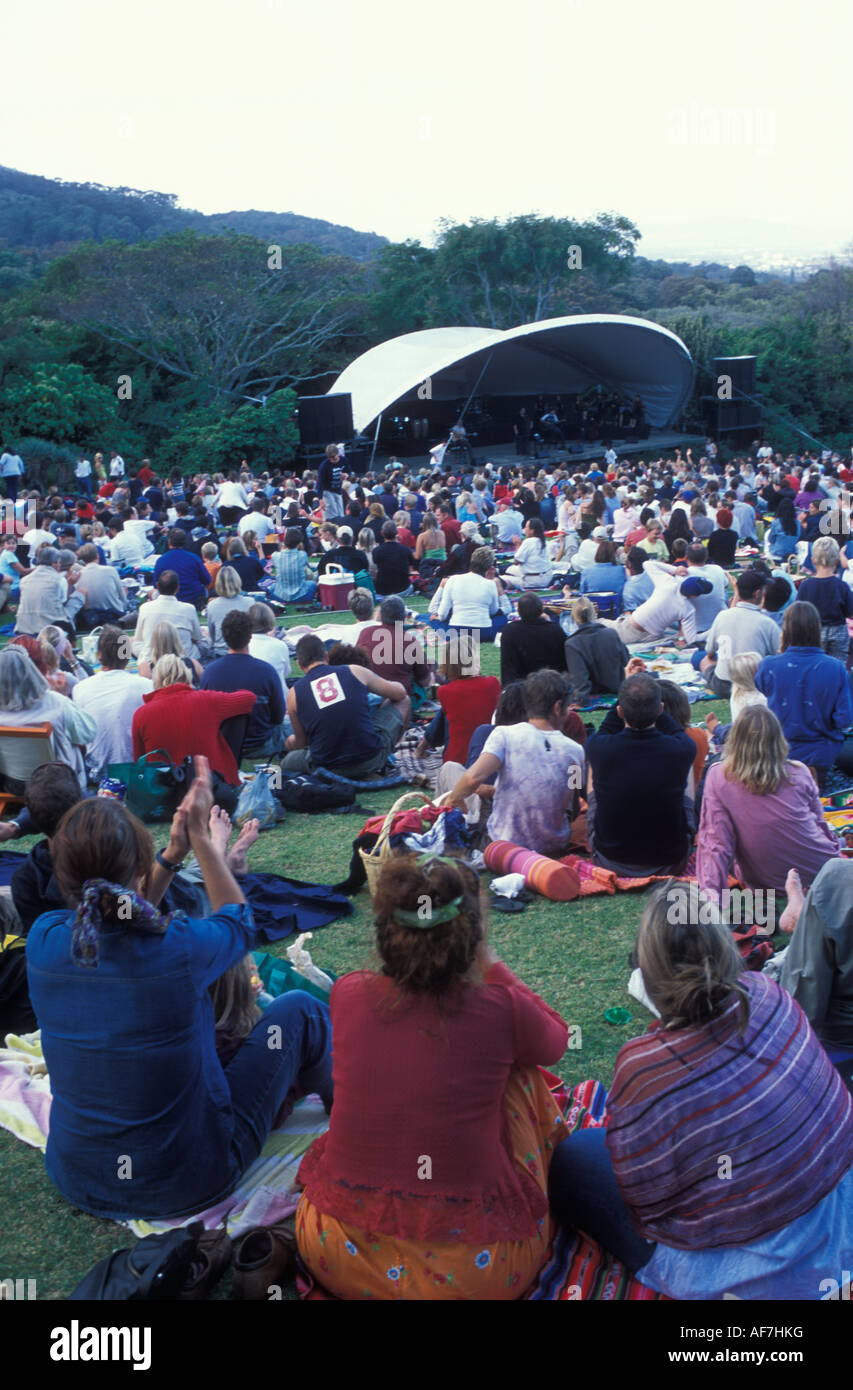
[156, 1041]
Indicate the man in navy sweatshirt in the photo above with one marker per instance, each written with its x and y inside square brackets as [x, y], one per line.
[639, 817]
[266, 734]
[193, 578]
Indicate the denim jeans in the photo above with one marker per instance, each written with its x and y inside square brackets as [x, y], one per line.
[484, 634]
[305, 594]
[262, 1074]
[275, 744]
[835, 641]
[96, 617]
[585, 1196]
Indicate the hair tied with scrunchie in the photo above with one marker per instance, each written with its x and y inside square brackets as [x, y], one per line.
[104, 905]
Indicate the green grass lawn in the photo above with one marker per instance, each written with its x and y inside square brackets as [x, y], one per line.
[574, 954]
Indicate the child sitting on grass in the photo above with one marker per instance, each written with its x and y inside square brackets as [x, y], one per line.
[677, 706]
[211, 561]
[742, 669]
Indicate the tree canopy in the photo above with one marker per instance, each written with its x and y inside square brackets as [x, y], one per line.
[206, 325]
[225, 313]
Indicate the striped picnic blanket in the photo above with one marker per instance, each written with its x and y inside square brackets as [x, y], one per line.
[577, 1269]
[838, 811]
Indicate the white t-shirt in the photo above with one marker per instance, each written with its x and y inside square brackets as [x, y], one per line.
[129, 547]
[111, 698]
[469, 600]
[257, 522]
[117, 467]
[540, 772]
[707, 606]
[83, 468]
[141, 527]
[534, 561]
[276, 653]
[37, 537]
[585, 554]
[667, 606]
[232, 495]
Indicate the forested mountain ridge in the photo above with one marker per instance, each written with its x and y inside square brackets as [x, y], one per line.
[45, 215]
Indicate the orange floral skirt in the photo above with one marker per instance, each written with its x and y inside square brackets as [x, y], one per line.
[352, 1265]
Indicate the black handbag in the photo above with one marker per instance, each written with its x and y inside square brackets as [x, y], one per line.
[303, 792]
[156, 1267]
[224, 795]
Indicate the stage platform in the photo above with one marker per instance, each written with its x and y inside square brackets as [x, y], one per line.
[504, 455]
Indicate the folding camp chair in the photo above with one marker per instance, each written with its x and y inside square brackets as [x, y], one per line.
[22, 750]
[607, 605]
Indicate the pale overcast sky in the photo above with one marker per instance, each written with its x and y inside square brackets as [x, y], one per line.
[722, 130]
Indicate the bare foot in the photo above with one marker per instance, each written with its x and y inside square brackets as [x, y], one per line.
[220, 828]
[236, 859]
[796, 898]
[711, 722]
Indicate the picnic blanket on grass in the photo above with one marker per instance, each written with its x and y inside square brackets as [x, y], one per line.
[577, 1269]
[666, 663]
[838, 806]
[267, 1192]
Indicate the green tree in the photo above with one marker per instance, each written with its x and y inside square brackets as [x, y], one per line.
[528, 268]
[742, 275]
[402, 290]
[222, 312]
[211, 440]
[59, 402]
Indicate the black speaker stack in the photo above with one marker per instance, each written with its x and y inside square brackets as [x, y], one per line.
[325, 419]
[733, 405]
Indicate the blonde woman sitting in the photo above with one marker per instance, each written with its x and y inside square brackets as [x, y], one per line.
[761, 812]
[367, 544]
[166, 641]
[228, 588]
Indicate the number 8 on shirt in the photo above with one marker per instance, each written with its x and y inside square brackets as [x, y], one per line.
[327, 691]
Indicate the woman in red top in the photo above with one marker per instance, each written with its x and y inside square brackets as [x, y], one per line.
[467, 700]
[431, 1182]
[184, 721]
[405, 535]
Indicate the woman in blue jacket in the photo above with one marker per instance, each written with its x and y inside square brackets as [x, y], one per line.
[144, 1120]
[604, 576]
[808, 692]
[784, 532]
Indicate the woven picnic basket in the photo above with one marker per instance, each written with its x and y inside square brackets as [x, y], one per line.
[373, 859]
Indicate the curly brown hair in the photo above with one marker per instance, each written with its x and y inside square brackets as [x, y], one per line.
[346, 654]
[434, 960]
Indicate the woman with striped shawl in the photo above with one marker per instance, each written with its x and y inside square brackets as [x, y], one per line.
[727, 1162]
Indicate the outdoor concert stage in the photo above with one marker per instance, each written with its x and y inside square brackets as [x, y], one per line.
[404, 394]
[505, 456]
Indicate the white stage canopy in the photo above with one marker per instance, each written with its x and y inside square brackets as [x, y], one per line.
[555, 356]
